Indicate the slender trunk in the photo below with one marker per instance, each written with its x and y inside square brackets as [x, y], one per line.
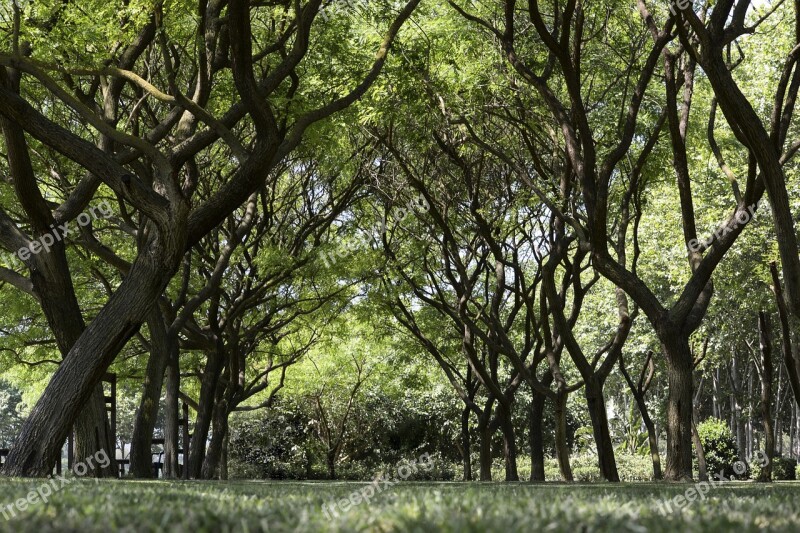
[205, 409]
[562, 450]
[485, 450]
[172, 411]
[765, 342]
[466, 449]
[679, 407]
[595, 400]
[147, 412]
[331, 461]
[213, 458]
[701, 454]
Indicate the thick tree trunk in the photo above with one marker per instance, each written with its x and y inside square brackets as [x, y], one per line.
[93, 434]
[39, 443]
[147, 412]
[595, 400]
[679, 407]
[509, 444]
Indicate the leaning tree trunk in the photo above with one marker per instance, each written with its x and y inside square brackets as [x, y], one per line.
[602, 435]
[147, 412]
[39, 443]
[679, 406]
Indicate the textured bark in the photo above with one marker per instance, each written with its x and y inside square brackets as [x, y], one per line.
[765, 374]
[172, 412]
[144, 422]
[466, 445]
[562, 450]
[536, 435]
[679, 407]
[205, 411]
[39, 443]
[595, 400]
[219, 436]
[485, 450]
[509, 444]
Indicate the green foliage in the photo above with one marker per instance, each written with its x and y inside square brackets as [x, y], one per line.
[719, 446]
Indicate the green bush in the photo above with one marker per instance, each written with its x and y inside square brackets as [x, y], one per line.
[783, 469]
[719, 447]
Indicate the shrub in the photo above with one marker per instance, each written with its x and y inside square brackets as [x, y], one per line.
[719, 447]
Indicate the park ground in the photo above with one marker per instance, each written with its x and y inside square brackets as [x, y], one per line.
[86, 505]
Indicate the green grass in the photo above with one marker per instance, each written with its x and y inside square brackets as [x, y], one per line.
[196, 507]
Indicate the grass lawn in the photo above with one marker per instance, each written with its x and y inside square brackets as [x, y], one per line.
[198, 507]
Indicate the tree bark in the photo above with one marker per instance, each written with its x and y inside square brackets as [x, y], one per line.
[509, 443]
[208, 388]
[536, 436]
[485, 450]
[765, 344]
[466, 448]
[679, 407]
[172, 411]
[562, 450]
[593, 390]
[144, 423]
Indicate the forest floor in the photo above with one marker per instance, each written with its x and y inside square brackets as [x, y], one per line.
[86, 505]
